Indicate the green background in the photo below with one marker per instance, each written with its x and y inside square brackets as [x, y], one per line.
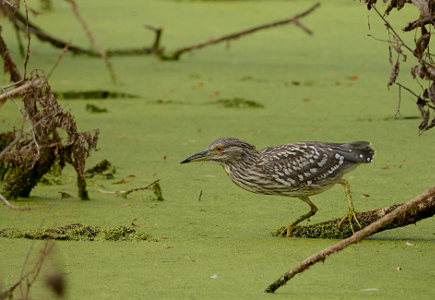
[227, 232]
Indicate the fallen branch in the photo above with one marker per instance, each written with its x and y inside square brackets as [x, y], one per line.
[295, 20]
[386, 220]
[20, 23]
[331, 229]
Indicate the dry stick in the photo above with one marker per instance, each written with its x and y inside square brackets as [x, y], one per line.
[149, 186]
[398, 114]
[158, 32]
[38, 265]
[388, 25]
[14, 207]
[9, 65]
[20, 90]
[20, 42]
[417, 96]
[355, 238]
[35, 270]
[236, 35]
[64, 50]
[93, 40]
[26, 61]
[16, 17]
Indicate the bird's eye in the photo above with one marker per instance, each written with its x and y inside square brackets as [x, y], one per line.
[219, 148]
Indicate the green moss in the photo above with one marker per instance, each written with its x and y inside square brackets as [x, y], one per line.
[103, 167]
[52, 177]
[163, 102]
[95, 109]
[80, 232]
[238, 103]
[157, 190]
[92, 94]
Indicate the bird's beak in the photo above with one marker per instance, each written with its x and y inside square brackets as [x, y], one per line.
[203, 155]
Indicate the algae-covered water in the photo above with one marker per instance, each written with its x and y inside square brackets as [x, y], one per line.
[210, 239]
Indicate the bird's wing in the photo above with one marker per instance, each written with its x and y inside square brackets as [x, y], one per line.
[301, 164]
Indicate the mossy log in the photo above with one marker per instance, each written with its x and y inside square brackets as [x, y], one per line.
[333, 230]
[23, 179]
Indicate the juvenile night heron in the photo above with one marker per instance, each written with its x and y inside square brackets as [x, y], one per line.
[296, 170]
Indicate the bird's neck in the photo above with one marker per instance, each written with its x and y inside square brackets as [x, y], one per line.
[246, 162]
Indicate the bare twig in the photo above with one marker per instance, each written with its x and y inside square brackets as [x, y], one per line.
[64, 50]
[19, 90]
[152, 186]
[93, 40]
[303, 27]
[398, 114]
[20, 22]
[355, 238]
[15, 207]
[20, 42]
[28, 278]
[158, 34]
[388, 25]
[37, 267]
[200, 195]
[148, 187]
[416, 96]
[409, 90]
[26, 61]
[9, 65]
[294, 20]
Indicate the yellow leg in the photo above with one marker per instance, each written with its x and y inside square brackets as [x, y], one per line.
[351, 213]
[292, 226]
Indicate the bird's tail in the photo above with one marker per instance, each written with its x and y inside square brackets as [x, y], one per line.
[358, 151]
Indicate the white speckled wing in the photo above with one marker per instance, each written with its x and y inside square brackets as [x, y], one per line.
[302, 164]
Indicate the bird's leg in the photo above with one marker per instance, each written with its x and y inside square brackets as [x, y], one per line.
[351, 213]
[292, 226]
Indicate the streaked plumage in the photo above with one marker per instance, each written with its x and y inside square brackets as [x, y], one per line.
[297, 170]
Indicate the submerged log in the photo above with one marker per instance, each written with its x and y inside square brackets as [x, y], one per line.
[333, 230]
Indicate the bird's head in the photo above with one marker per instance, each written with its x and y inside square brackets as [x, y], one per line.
[224, 150]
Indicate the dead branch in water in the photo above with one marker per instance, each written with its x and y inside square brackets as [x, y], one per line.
[20, 23]
[295, 20]
[332, 230]
[388, 219]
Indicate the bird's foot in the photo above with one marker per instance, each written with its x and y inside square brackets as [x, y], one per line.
[288, 230]
[350, 216]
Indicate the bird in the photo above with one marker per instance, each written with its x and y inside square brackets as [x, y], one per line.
[300, 169]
